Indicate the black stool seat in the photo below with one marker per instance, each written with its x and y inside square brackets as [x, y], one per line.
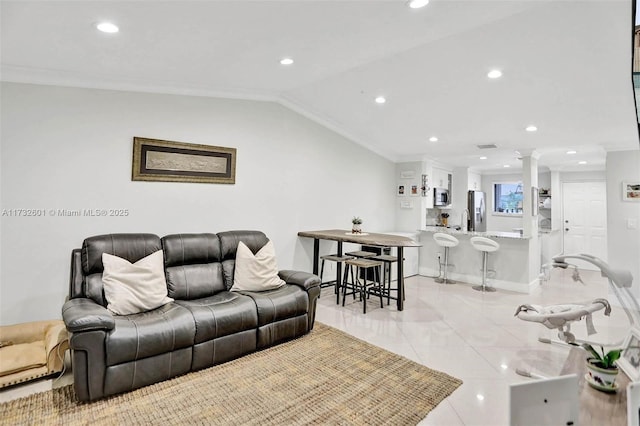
[361, 253]
[362, 287]
[335, 258]
[385, 258]
[364, 263]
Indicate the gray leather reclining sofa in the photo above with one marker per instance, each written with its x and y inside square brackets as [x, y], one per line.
[205, 325]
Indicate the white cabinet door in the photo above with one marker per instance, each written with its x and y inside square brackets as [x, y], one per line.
[440, 178]
[475, 182]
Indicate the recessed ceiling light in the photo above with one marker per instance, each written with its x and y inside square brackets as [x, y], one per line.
[582, 162]
[286, 61]
[480, 397]
[483, 158]
[107, 27]
[433, 139]
[531, 128]
[571, 152]
[494, 74]
[417, 4]
[381, 100]
[506, 166]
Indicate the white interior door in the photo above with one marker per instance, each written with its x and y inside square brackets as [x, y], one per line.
[584, 221]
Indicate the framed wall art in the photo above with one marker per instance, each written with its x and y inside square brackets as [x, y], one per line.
[168, 161]
[631, 191]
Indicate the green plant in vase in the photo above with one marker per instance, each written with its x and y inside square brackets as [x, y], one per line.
[601, 368]
[356, 225]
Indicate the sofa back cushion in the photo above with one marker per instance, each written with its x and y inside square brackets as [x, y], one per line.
[131, 247]
[192, 265]
[229, 240]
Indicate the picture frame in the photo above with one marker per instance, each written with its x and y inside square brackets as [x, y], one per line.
[629, 360]
[414, 190]
[169, 161]
[401, 190]
[630, 191]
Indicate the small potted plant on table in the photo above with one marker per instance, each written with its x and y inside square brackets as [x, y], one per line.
[601, 368]
[356, 227]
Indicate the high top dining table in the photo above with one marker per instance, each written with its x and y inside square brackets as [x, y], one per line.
[370, 239]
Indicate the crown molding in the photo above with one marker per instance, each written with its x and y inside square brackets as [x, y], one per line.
[50, 77]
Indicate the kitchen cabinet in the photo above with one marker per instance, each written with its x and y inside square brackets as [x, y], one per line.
[474, 181]
[441, 178]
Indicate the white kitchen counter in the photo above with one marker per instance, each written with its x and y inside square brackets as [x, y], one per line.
[487, 234]
[516, 263]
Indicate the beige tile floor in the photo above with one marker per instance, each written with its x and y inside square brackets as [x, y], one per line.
[471, 335]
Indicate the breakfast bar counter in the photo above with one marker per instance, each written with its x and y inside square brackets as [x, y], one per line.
[486, 234]
[515, 266]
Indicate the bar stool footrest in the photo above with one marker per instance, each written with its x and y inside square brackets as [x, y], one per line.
[485, 289]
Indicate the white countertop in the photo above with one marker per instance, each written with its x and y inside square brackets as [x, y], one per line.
[495, 234]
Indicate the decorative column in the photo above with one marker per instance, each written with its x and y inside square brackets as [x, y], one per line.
[529, 219]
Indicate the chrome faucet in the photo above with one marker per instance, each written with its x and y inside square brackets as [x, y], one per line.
[464, 219]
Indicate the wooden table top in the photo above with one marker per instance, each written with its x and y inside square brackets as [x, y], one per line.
[366, 238]
[597, 407]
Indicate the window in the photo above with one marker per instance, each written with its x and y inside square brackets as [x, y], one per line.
[507, 198]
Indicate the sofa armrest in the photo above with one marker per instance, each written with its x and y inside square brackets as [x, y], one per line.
[85, 315]
[299, 278]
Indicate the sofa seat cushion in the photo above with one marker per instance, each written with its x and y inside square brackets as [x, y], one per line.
[275, 305]
[165, 329]
[23, 356]
[222, 314]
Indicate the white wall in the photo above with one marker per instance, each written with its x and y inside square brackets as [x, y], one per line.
[408, 219]
[623, 243]
[66, 148]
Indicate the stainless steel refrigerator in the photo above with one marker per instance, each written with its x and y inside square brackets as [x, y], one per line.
[476, 203]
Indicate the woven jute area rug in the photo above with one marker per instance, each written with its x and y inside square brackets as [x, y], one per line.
[325, 377]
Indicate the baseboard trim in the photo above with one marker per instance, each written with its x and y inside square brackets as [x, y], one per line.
[472, 280]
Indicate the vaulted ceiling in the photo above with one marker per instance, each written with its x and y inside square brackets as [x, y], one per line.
[566, 67]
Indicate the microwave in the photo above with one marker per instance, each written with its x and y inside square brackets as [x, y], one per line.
[441, 197]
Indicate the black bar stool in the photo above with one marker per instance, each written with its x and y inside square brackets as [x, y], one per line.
[363, 287]
[387, 260]
[332, 258]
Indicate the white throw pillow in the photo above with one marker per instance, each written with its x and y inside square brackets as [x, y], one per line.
[133, 288]
[257, 272]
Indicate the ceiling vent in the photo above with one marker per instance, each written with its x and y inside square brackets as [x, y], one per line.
[487, 146]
